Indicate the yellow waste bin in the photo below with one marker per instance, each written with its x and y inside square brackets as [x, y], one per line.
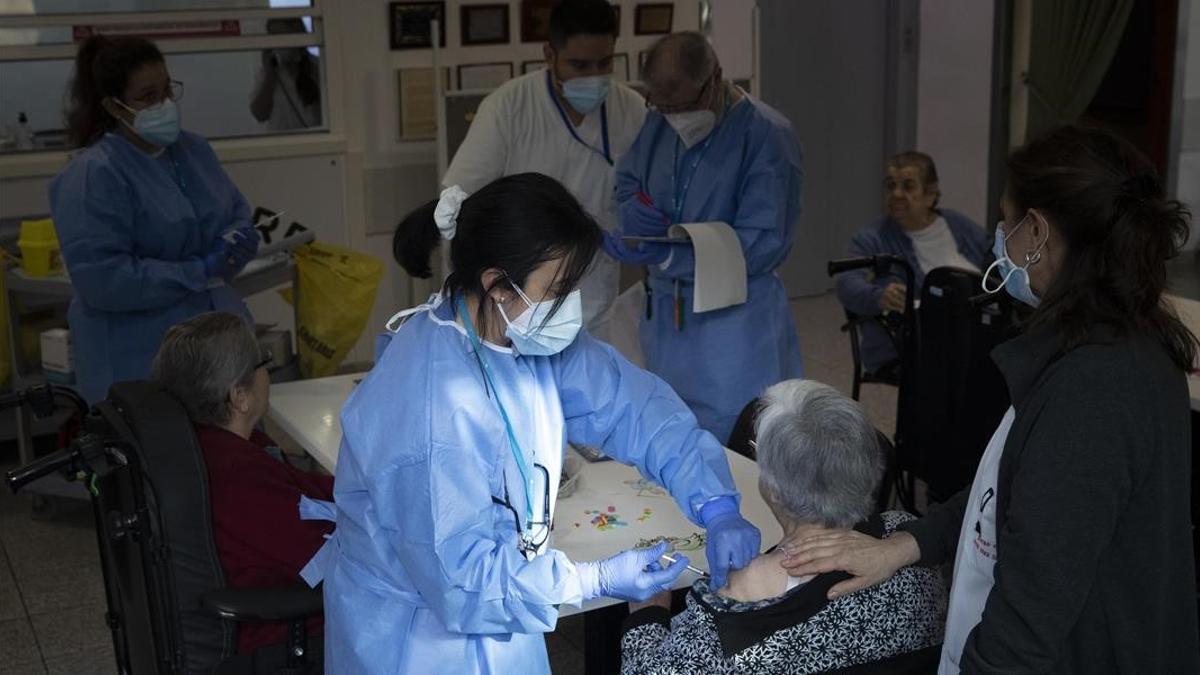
[40, 255]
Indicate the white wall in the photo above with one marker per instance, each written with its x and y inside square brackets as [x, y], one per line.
[1188, 182]
[954, 99]
[732, 36]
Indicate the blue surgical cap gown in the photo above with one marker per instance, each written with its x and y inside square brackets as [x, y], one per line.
[748, 175]
[133, 228]
[425, 575]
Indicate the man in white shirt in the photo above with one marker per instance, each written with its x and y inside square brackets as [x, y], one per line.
[570, 122]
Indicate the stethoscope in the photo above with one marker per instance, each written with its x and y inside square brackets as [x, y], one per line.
[606, 153]
[528, 541]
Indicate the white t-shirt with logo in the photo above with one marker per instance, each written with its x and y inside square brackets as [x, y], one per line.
[976, 555]
[936, 247]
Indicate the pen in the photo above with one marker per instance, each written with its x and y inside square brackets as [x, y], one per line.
[697, 570]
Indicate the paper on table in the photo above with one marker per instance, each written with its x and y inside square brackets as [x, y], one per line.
[720, 265]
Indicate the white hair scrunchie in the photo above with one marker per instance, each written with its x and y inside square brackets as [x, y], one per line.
[446, 212]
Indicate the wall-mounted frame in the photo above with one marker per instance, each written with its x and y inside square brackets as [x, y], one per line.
[653, 18]
[621, 67]
[535, 19]
[416, 104]
[484, 76]
[642, 56]
[530, 66]
[484, 24]
[409, 23]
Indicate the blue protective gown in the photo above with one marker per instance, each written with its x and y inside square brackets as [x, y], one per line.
[423, 574]
[133, 229]
[747, 174]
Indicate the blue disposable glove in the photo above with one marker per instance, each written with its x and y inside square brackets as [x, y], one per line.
[640, 219]
[218, 263]
[732, 540]
[645, 253]
[634, 575]
[244, 246]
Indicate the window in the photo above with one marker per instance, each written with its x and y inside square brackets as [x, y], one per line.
[247, 69]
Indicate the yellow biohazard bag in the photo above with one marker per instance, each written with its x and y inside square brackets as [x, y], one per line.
[5, 344]
[337, 288]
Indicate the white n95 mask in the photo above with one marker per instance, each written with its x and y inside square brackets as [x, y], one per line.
[532, 334]
[693, 126]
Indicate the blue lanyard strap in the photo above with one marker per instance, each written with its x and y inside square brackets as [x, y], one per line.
[518, 454]
[606, 154]
[681, 188]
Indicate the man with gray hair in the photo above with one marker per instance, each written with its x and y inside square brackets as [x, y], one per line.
[820, 465]
[213, 365]
[710, 152]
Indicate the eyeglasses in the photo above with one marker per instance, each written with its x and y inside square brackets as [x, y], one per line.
[267, 358]
[680, 107]
[174, 92]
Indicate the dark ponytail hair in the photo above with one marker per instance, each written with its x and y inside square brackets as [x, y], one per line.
[1104, 198]
[513, 224]
[102, 69]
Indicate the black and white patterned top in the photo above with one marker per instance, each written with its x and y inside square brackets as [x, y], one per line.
[797, 632]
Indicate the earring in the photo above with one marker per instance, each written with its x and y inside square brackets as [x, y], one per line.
[1034, 257]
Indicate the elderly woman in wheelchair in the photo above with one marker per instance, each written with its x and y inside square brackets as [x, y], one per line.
[212, 363]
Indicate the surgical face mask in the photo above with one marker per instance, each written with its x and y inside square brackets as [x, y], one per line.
[585, 94]
[533, 335]
[693, 126]
[158, 124]
[1014, 279]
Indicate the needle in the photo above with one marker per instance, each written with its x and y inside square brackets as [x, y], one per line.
[697, 570]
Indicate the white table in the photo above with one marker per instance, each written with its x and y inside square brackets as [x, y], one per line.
[1189, 312]
[309, 411]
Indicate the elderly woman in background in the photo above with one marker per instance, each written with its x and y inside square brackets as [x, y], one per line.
[212, 363]
[914, 228]
[821, 464]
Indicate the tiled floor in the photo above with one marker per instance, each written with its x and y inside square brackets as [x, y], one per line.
[52, 598]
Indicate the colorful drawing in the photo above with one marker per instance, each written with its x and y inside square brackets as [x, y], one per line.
[645, 488]
[694, 542]
[606, 520]
[646, 513]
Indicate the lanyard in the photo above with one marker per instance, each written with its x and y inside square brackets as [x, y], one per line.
[606, 154]
[518, 454]
[679, 193]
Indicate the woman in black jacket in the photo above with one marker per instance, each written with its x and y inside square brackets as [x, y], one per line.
[1072, 548]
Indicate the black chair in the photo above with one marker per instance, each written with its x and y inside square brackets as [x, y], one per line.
[887, 374]
[168, 607]
[955, 395]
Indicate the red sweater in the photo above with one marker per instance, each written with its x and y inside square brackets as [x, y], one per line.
[261, 540]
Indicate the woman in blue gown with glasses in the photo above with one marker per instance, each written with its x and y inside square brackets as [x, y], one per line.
[453, 445]
[150, 226]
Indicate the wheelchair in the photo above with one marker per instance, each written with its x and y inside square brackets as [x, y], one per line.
[169, 609]
[950, 395]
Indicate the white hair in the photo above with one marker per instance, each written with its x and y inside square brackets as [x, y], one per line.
[819, 457]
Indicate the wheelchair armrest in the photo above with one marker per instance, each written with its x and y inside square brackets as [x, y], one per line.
[264, 604]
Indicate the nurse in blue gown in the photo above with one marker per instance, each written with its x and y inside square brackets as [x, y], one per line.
[443, 559]
[150, 226]
[710, 152]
